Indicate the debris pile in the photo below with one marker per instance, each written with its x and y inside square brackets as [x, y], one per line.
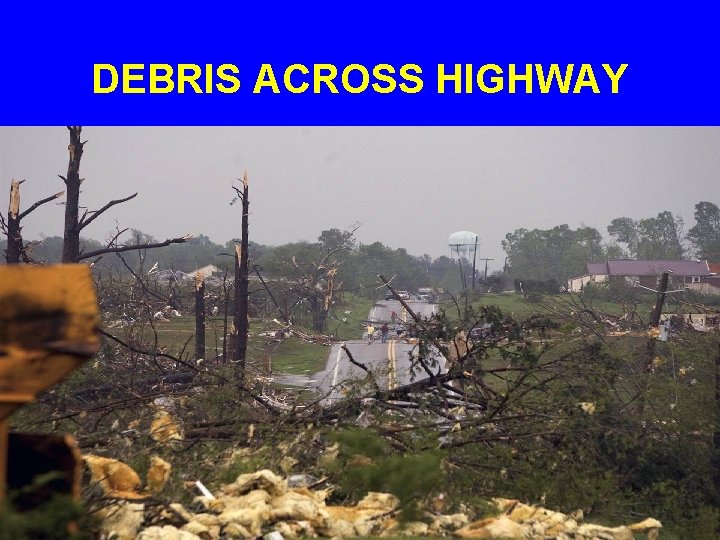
[265, 504]
[522, 521]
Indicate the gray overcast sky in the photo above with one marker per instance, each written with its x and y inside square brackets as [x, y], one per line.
[408, 187]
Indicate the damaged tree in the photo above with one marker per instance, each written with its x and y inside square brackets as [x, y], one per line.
[199, 316]
[241, 322]
[74, 223]
[316, 283]
[16, 248]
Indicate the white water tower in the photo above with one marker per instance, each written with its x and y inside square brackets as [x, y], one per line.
[463, 244]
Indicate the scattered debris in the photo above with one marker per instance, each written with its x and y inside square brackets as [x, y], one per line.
[263, 504]
[164, 428]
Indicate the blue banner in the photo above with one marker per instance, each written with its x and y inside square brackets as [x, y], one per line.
[368, 64]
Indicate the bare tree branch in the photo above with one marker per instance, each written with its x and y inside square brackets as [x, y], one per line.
[40, 203]
[149, 353]
[140, 280]
[260, 399]
[361, 366]
[95, 213]
[120, 249]
[114, 238]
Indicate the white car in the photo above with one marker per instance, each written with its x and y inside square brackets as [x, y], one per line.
[401, 294]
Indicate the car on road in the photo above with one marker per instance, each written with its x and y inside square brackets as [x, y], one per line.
[482, 331]
[427, 294]
[401, 294]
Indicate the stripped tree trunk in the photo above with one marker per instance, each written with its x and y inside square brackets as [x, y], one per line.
[241, 323]
[14, 237]
[199, 316]
[74, 223]
[71, 237]
[16, 249]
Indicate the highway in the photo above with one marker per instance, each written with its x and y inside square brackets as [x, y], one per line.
[383, 310]
[390, 363]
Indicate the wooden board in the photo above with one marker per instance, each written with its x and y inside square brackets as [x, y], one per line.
[48, 327]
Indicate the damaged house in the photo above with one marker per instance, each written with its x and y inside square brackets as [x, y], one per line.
[696, 275]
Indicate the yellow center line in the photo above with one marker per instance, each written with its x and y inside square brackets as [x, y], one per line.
[392, 374]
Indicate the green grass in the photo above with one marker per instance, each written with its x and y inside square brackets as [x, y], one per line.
[509, 303]
[351, 328]
[293, 356]
[296, 357]
[179, 333]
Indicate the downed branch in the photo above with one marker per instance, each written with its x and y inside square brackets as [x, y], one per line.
[134, 247]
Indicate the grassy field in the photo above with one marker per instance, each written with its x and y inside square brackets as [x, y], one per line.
[177, 336]
[296, 357]
[293, 356]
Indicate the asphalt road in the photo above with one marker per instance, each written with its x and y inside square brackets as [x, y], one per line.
[390, 364]
[383, 310]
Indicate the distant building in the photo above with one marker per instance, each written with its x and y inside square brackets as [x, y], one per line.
[699, 321]
[712, 284]
[695, 275]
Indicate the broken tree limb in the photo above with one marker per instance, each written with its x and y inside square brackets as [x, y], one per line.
[14, 208]
[147, 352]
[277, 306]
[96, 213]
[360, 365]
[40, 203]
[16, 249]
[388, 395]
[260, 399]
[140, 281]
[134, 247]
[14, 237]
[139, 387]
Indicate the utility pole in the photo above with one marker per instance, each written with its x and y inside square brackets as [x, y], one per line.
[462, 275]
[655, 319]
[486, 264]
[464, 283]
[474, 259]
[651, 342]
